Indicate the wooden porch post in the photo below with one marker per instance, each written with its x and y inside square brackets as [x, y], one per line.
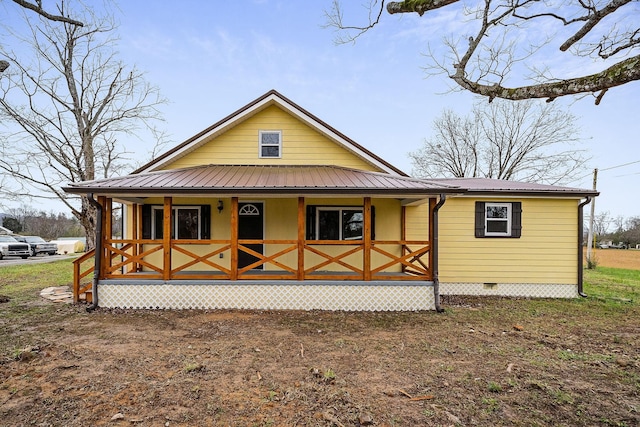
[366, 262]
[432, 205]
[301, 238]
[134, 236]
[166, 238]
[107, 221]
[403, 234]
[103, 264]
[234, 238]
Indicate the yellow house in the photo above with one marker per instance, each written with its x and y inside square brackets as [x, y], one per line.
[271, 208]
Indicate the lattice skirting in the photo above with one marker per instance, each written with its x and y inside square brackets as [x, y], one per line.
[268, 297]
[534, 290]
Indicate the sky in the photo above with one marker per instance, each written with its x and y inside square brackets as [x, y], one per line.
[210, 58]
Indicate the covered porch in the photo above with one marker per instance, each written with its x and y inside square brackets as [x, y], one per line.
[301, 271]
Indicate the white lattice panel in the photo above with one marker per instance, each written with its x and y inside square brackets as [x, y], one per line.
[273, 297]
[533, 290]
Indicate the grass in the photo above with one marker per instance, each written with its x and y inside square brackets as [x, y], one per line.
[613, 284]
[23, 282]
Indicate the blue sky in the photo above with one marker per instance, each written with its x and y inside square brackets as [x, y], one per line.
[211, 58]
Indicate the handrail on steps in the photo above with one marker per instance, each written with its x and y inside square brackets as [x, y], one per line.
[78, 275]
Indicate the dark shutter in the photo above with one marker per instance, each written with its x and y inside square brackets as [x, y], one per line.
[146, 221]
[373, 222]
[480, 215]
[516, 219]
[311, 222]
[205, 221]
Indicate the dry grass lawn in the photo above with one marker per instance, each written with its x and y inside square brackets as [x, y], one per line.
[618, 258]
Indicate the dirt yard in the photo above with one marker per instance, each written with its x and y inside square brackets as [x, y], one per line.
[483, 362]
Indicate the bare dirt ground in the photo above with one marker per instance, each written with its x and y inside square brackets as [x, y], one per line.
[484, 362]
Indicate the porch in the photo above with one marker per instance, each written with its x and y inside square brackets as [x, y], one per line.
[299, 273]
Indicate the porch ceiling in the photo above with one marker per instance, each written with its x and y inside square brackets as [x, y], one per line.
[263, 180]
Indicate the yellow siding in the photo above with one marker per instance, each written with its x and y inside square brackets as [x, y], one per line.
[301, 145]
[545, 253]
[417, 222]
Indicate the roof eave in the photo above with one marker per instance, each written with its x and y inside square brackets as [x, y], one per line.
[177, 192]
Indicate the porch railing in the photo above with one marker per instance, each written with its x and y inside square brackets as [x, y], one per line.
[395, 260]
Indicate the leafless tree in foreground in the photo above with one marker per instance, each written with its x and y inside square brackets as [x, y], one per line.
[525, 140]
[67, 107]
[504, 40]
[37, 8]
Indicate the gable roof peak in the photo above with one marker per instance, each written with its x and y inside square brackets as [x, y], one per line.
[269, 98]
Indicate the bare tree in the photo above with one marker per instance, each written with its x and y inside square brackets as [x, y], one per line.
[631, 234]
[68, 107]
[525, 140]
[502, 46]
[601, 224]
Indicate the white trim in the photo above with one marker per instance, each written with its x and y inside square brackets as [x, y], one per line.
[261, 144]
[339, 209]
[507, 220]
[264, 214]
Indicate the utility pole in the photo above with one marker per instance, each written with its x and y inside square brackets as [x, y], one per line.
[590, 263]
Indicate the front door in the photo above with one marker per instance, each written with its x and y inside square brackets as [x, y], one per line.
[250, 226]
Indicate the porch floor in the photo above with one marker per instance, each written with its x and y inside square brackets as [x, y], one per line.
[220, 278]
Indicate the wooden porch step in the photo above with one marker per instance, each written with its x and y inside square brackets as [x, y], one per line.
[86, 296]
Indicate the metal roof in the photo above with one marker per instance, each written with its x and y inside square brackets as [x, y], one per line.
[262, 179]
[496, 186]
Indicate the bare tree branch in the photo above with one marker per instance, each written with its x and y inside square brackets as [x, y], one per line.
[491, 62]
[37, 8]
[419, 7]
[618, 74]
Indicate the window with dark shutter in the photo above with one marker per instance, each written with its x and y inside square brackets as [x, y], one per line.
[187, 222]
[337, 222]
[498, 219]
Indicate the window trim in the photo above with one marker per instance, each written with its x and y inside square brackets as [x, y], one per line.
[508, 219]
[514, 220]
[261, 144]
[340, 210]
[174, 215]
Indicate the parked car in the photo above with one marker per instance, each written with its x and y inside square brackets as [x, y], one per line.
[37, 245]
[11, 247]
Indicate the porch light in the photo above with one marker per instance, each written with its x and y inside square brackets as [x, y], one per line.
[220, 206]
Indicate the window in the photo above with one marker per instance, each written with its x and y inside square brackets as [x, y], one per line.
[336, 222]
[270, 144]
[193, 222]
[498, 219]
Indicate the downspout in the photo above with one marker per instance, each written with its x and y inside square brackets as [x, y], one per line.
[98, 256]
[436, 282]
[580, 242]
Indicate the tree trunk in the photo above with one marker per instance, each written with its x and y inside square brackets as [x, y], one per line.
[87, 217]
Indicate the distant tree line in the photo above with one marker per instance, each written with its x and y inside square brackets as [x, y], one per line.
[618, 229]
[28, 221]
[49, 226]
